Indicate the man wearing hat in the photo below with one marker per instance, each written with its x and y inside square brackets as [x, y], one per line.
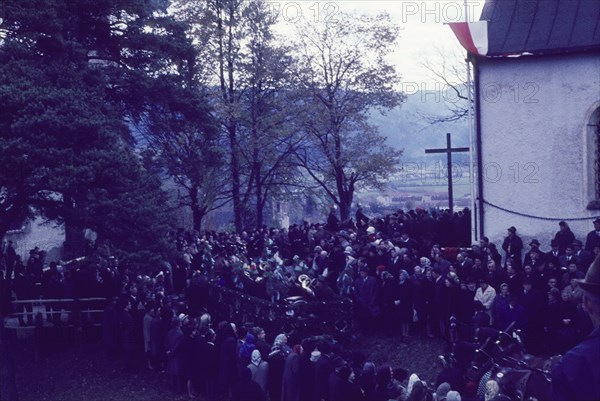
[593, 238]
[535, 247]
[513, 246]
[554, 254]
[577, 375]
[583, 257]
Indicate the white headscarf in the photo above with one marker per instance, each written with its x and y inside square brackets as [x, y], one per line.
[256, 359]
[491, 390]
[278, 341]
[411, 382]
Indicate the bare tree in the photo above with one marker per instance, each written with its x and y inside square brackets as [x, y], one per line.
[246, 71]
[344, 74]
[267, 114]
[452, 75]
[181, 136]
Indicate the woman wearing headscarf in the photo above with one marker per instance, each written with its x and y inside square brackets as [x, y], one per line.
[259, 369]
[441, 392]
[419, 392]
[424, 263]
[276, 360]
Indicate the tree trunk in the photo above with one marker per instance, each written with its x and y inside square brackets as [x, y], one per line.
[259, 214]
[345, 205]
[235, 180]
[259, 199]
[74, 245]
[198, 212]
[227, 81]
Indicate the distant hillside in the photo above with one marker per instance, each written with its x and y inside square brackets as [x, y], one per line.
[406, 129]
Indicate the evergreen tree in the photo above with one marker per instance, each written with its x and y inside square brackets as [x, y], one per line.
[72, 78]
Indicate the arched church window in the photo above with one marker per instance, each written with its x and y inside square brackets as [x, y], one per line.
[593, 159]
[597, 164]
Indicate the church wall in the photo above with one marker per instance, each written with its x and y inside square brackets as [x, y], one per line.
[533, 114]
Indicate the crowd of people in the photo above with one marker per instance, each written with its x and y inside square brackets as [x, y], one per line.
[402, 282]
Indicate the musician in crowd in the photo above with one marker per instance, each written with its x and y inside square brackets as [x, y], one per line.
[577, 375]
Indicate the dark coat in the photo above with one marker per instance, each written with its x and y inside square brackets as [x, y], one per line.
[389, 294]
[307, 377]
[332, 222]
[186, 351]
[110, 326]
[551, 256]
[405, 295]
[323, 368]
[199, 364]
[290, 386]
[276, 361]
[365, 295]
[564, 238]
[451, 301]
[577, 375]
[592, 240]
[584, 259]
[345, 390]
[210, 359]
[422, 296]
[263, 347]
[227, 362]
[156, 335]
[499, 311]
[534, 303]
[465, 269]
[174, 352]
[515, 283]
[513, 246]
[564, 260]
[466, 305]
[517, 314]
[5, 298]
[247, 389]
[439, 297]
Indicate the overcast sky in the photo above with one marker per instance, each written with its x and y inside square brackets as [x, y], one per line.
[424, 35]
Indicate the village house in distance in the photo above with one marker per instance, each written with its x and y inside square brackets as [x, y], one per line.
[536, 90]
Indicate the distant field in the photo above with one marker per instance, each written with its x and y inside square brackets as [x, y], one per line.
[460, 189]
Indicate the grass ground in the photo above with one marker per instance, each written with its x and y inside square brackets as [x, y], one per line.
[83, 371]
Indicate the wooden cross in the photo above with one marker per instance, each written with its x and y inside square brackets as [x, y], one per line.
[448, 150]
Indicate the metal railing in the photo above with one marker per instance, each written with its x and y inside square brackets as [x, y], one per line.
[70, 306]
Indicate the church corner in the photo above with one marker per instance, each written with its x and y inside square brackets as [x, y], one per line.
[537, 117]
